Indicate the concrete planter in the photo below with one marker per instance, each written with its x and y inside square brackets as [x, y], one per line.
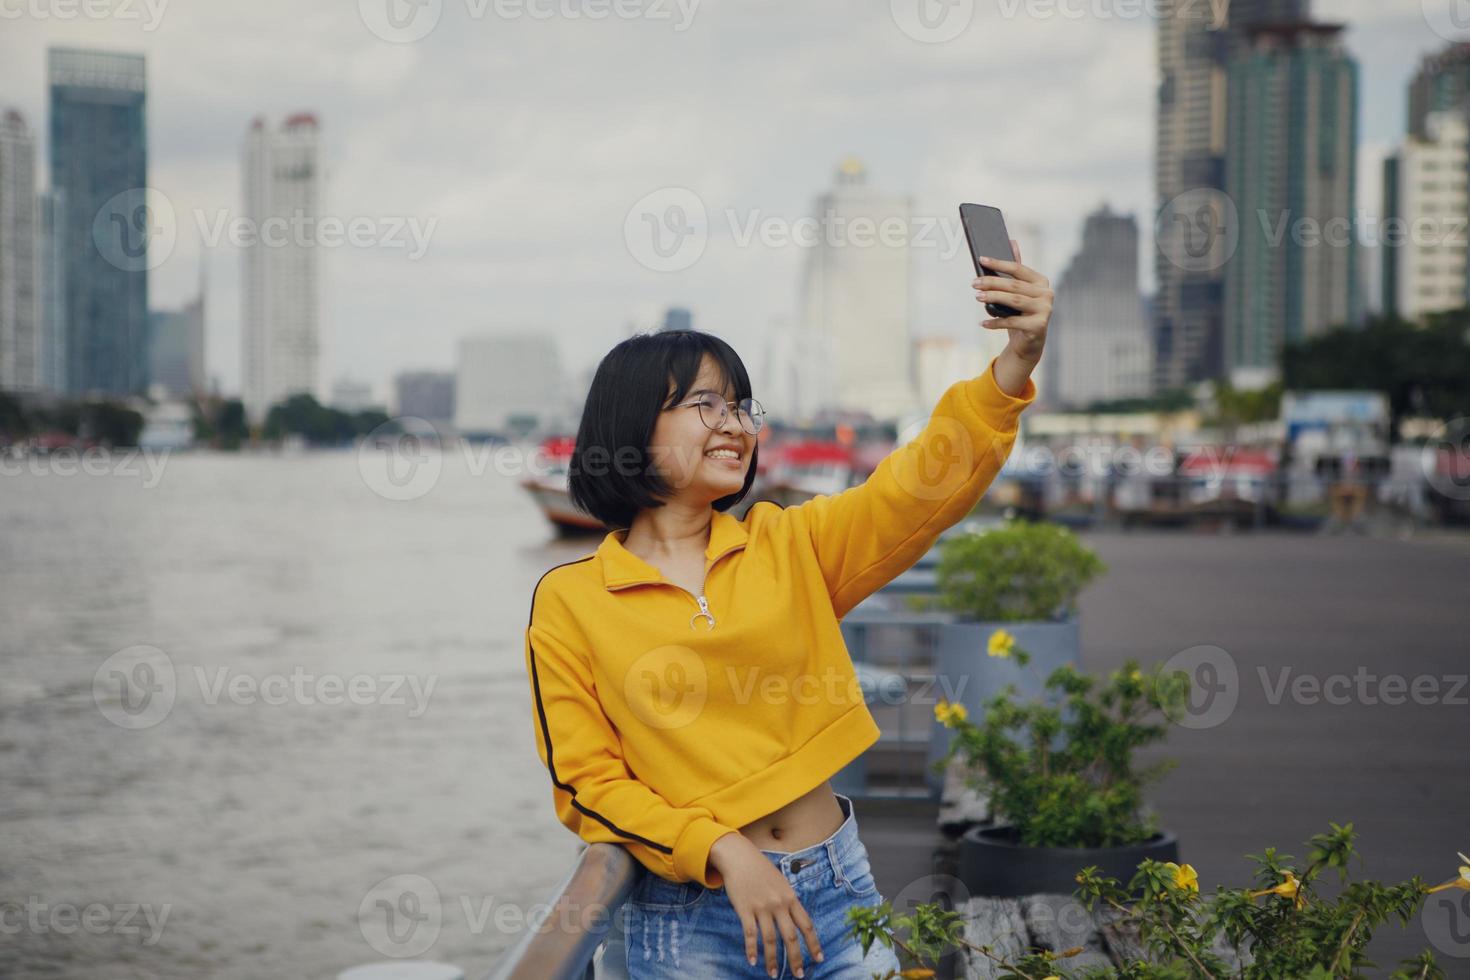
[966, 674]
[994, 864]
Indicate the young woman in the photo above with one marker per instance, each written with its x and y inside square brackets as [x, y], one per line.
[692, 693]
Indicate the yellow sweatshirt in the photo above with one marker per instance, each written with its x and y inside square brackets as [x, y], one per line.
[664, 729]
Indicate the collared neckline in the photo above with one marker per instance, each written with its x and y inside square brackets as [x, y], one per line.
[620, 567]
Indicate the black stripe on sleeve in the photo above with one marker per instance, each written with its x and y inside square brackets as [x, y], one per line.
[546, 731]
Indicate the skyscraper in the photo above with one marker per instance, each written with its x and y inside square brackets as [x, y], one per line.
[854, 317]
[1194, 50]
[1291, 171]
[1425, 187]
[51, 262]
[1442, 82]
[176, 351]
[508, 383]
[677, 318]
[1102, 349]
[20, 361]
[99, 162]
[280, 303]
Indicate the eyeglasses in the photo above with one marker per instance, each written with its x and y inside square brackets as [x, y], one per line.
[714, 410]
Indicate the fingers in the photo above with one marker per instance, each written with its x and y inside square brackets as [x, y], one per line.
[768, 939]
[787, 926]
[792, 924]
[1016, 301]
[808, 929]
[1025, 324]
[747, 922]
[1023, 272]
[1005, 282]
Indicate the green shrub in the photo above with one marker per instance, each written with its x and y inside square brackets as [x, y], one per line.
[1019, 571]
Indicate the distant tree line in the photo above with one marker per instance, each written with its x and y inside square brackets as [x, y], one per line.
[1424, 370]
[106, 423]
[219, 423]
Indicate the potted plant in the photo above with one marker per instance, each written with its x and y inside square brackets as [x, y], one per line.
[1060, 775]
[1023, 577]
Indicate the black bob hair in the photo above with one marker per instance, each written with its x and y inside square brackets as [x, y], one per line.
[612, 476]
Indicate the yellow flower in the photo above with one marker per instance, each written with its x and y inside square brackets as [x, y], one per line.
[1135, 676]
[1290, 888]
[1185, 876]
[1001, 643]
[1462, 882]
[948, 713]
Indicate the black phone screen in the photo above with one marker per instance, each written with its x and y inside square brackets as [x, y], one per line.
[985, 230]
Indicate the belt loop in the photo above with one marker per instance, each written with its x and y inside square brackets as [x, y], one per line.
[839, 873]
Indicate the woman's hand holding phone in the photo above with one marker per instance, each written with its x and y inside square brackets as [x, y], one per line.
[1021, 288]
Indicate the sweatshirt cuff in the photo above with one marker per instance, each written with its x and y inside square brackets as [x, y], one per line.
[691, 852]
[1000, 410]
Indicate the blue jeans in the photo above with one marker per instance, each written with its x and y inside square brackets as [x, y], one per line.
[684, 930]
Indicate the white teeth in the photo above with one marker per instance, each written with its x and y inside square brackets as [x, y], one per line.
[723, 454]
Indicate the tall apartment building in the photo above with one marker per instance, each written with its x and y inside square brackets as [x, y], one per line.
[20, 340]
[1194, 52]
[1291, 171]
[1425, 214]
[280, 287]
[855, 343]
[99, 164]
[1101, 345]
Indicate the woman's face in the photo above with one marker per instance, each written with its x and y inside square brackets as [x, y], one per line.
[682, 445]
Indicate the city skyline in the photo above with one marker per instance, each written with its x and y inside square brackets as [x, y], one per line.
[516, 220]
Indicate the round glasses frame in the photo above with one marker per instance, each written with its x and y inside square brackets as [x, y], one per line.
[748, 412]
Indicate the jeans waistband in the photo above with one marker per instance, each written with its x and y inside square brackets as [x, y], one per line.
[832, 856]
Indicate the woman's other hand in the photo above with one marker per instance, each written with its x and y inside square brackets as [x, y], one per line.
[765, 902]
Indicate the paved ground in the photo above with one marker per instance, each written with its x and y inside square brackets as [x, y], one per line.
[1346, 613]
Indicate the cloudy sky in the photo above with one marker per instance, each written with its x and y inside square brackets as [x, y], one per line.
[494, 149]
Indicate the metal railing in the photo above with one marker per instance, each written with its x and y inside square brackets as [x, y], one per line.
[584, 914]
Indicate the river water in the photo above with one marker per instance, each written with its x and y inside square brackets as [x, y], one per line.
[261, 716]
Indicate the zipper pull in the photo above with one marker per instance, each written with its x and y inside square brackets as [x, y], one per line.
[703, 612]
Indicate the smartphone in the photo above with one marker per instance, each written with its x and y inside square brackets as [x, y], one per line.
[985, 230]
